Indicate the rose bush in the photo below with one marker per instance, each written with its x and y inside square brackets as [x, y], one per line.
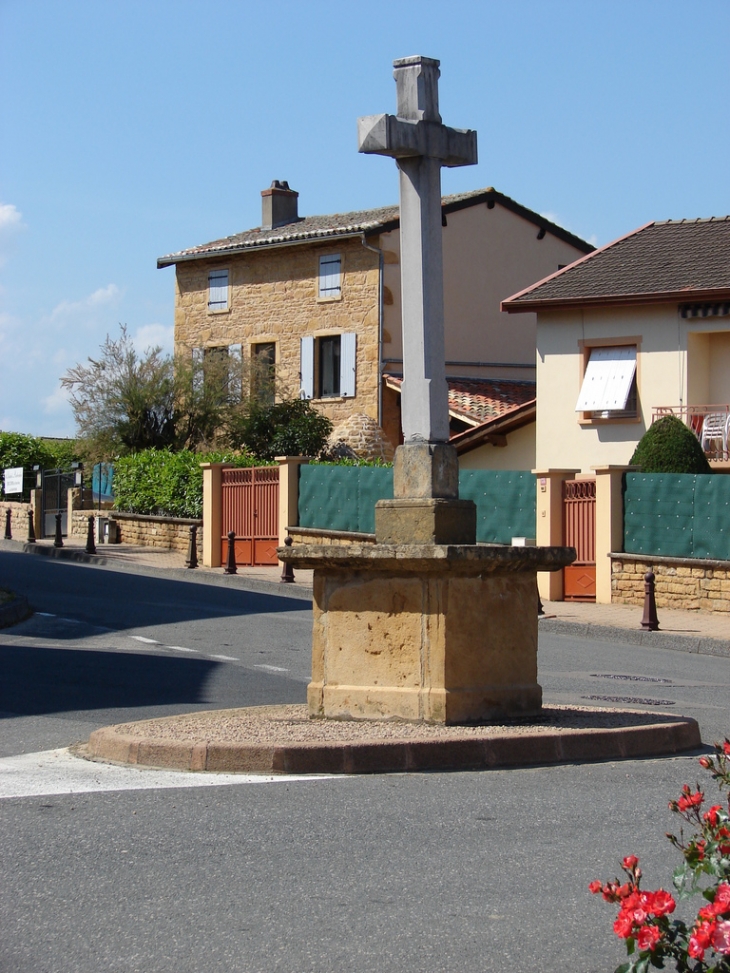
[651, 937]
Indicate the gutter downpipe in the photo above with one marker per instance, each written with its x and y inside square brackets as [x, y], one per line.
[381, 262]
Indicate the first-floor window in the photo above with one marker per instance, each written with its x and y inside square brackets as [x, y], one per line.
[330, 267]
[609, 390]
[327, 366]
[263, 372]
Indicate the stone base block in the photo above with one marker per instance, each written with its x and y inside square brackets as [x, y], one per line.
[425, 521]
[424, 645]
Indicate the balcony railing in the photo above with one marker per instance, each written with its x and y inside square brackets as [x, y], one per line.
[710, 423]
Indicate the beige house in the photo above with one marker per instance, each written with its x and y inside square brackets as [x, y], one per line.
[318, 298]
[631, 332]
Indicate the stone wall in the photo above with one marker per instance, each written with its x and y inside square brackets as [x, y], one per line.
[680, 582]
[165, 533]
[18, 519]
[273, 296]
[314, 535]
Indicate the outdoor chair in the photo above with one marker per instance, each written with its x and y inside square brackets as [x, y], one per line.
[715, 427]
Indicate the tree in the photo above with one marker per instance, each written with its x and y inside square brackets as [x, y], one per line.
[668, 446]
[125, 402]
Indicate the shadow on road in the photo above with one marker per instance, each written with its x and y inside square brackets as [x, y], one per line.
[122, 600]
[38, 680]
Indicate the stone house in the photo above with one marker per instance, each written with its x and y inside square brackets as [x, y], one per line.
[629, 333]
[318, 299]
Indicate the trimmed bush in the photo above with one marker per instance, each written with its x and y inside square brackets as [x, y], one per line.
[668, 446]
[17, 449]
[155, 481]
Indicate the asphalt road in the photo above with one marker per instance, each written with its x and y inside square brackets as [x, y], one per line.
[421, 872]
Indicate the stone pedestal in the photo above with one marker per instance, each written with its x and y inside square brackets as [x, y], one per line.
[434, 633]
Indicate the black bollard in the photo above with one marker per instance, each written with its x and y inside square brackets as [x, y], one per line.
[8, 528]
[192, 558]
[287, 572]
[90, 544]
[58, 539]
[230, 567]
[31, 528]
[650, 621]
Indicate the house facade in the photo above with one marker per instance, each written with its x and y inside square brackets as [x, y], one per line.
[634, 331]
[318, 299]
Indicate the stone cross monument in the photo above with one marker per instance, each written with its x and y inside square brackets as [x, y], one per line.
[426, 508]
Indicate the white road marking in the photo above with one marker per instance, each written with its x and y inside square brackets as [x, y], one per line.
[181, 648]
[271, 668]
[45, 614]
[141, 638]
[60, 772]
[225, 658]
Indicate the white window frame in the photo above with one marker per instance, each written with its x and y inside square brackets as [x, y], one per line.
[609, 382]
[217, 290]
[329, 282]
[310, 382]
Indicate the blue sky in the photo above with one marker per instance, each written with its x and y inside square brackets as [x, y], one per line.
[133, 128]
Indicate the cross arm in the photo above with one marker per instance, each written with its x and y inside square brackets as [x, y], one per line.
[402, 138]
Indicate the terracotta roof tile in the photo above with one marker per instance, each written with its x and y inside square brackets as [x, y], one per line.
[478, 400]
[679, 258]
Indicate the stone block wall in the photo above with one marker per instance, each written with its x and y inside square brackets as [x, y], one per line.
[273, 296]
[18, 519]
[164, 533]
[313, 535]
[692, 585]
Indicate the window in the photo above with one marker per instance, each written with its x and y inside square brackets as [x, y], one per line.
[609, 384]
[263, 372]
[328, 366]
[330, 267]
[218, 290]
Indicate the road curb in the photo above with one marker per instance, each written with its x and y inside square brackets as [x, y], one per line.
[127, 744]
[698, 645]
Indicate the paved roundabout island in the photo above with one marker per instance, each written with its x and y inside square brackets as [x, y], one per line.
[285, 739]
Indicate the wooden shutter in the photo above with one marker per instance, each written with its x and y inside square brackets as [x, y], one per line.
[306, 368]
[329, 275]
[218, 290]
[348, 345]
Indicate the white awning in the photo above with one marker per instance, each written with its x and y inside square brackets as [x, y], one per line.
[608, 378]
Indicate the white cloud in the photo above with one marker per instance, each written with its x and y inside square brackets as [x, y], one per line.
[56, 402]
[102, 297]
[151, 335]
[554, 218]
[11, 223]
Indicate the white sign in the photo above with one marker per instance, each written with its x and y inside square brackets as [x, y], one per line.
[13, 480]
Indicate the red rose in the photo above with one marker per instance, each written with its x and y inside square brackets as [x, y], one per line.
[595, 887]
[623, 925]
[711, 816]
[662, 903]
[647, 937]
[630, 862]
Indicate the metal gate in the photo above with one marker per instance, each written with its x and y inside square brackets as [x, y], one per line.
[579, 531]
[55, 487]
[250, 506]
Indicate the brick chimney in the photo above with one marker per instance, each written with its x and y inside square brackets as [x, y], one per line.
[278, 205]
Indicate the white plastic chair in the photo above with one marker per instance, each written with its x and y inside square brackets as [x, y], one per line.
[715, 426]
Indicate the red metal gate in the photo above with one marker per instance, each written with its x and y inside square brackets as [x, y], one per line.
[250, 505]
[579, 531]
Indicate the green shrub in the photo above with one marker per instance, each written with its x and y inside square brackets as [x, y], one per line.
[289, 428]
[155, 481]
[17, 449]
[668, 446]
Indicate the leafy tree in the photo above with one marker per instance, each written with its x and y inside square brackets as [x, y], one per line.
[668, 446]
[17, 449]
[125, 402]
[289, 428]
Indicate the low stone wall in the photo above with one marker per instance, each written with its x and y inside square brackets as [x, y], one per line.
[165, 533]
[18, 519]
[694, 585]
[316, 535]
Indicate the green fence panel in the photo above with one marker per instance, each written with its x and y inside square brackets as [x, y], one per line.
[342, 497]
[506, 503]
[677, 515]
[711, 534]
